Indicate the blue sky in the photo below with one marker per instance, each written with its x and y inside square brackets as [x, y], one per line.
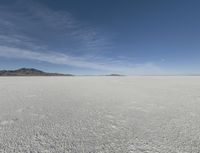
[101, 36]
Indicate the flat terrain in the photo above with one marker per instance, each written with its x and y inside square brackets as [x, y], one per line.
[100, 114]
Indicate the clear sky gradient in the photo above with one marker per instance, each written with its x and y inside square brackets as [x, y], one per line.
[101, 36]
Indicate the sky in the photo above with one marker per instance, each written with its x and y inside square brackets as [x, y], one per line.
[131, 37]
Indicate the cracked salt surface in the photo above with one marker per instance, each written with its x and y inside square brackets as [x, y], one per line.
[6, 122]
[100, 114]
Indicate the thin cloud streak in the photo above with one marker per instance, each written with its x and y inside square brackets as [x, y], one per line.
[109, 65]
[34, 32]
[45, 26]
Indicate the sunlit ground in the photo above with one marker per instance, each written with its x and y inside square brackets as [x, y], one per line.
[100, 114]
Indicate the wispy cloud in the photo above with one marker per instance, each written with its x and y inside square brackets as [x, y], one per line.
[45, 26]
[106, 64]
[29, 30]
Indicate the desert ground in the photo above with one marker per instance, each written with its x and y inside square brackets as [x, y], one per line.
[146, 114]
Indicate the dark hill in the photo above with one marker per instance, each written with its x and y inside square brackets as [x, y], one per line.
[29, 72]
[115, 75]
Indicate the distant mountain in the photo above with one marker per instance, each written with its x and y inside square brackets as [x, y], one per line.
[115, 75]
[29, 72]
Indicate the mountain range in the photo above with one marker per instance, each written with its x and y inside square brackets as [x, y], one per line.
[29, 72]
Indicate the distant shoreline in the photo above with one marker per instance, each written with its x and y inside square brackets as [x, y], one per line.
[31, 72]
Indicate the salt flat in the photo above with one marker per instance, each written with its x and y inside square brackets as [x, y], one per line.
[100, 114]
